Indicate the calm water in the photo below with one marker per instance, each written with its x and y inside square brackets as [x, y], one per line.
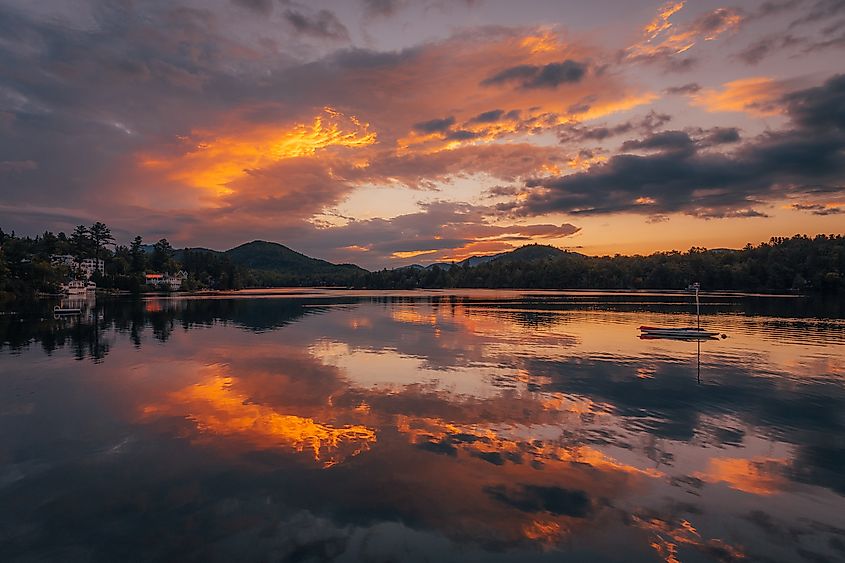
[471, 426]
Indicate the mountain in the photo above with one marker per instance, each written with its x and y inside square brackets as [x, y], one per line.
[527, 253]
[179, 253]
[278, 262]
[441, 265]
[531, 253]
[273, 264]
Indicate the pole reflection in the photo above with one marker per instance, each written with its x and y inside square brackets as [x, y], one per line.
[514, 425]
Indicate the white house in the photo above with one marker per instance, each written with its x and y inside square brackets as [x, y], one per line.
[91, 265]
[84, 269]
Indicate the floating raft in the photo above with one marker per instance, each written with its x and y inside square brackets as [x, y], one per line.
[680, 332]
[67, 310]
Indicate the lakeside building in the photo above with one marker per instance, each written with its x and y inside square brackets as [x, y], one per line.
[90, 265]
[172, 282]
[84, 268]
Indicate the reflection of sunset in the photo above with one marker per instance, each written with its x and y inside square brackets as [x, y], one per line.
[546, 532]
[758, 476]
[667, 537]
[216, 409]
[413, 315]
[475, 439]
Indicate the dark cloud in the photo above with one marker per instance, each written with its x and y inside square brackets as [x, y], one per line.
[765, 47]
[757, 51]
[581, 107]
[831, 42]
[551, 75]
[443, 447]
[772, 7]
[818, 209]
[680, 65]
[689, 88]
[821, 108]
[663, 141]
[684, 176]
[262, 7]
[575, 133]
[816, 39]
[723, 135]
[714, 21]
[496, 458]
[463, 135]
[491, 116]
[535, 498]
[438, 125]
[820, 10]
[322, 24]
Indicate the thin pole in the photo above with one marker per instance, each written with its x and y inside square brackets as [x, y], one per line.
[697, 307]
[698, 362]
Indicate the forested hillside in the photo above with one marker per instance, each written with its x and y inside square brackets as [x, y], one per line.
[799, 263]
[782, 264]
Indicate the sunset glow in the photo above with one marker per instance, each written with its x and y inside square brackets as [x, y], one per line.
[217, 160]
[393, 133]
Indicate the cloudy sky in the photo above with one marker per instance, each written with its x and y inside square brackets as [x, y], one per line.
[386, 132]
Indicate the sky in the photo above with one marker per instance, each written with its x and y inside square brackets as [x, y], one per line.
[391, 132]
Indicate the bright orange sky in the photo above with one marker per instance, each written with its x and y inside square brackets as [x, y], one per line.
[387, 133]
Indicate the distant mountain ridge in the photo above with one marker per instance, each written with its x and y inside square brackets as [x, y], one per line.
[527, 253]
[278, 260]
[274, 257]
[274, 264]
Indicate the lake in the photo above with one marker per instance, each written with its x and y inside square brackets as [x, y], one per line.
[323, 425]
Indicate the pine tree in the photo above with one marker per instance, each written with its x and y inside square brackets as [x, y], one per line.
[100, 237]
[137, 255]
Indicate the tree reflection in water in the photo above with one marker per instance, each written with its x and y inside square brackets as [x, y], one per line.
[458, 427]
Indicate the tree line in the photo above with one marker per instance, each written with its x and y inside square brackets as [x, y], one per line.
[799, 263]
[27, 265]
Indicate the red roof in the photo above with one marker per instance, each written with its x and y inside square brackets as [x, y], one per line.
[154, 276]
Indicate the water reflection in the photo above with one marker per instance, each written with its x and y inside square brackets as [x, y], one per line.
[475, 426]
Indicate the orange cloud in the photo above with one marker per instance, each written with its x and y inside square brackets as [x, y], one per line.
[661, 21]
[413, 253]
[662, 40]
[245, 169]
[469, 132]
[216, 159]
[756, 95]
